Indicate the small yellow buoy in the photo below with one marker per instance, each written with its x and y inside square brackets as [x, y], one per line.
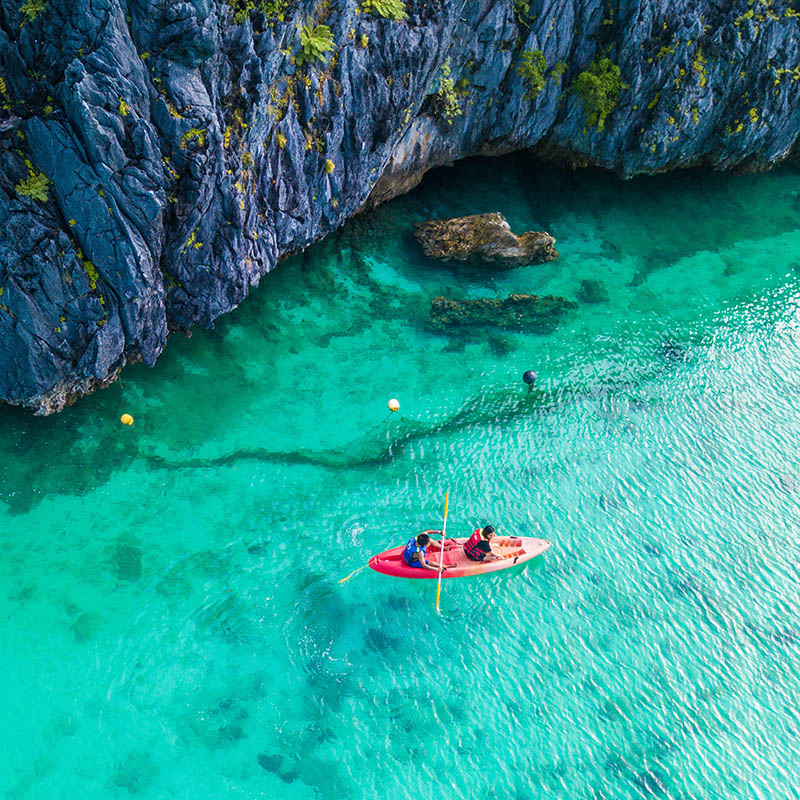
[126, 419]
[393, 405]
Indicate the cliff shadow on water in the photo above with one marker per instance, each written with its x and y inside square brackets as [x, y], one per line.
[300, 373]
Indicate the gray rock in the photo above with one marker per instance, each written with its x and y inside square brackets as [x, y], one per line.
[483, 238]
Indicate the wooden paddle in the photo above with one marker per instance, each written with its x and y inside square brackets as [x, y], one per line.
[441, 550]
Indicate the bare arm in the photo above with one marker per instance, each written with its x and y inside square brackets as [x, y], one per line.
[491, 556]
[428, 565]
[435, 545]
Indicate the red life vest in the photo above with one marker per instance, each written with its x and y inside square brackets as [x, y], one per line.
[470, 546]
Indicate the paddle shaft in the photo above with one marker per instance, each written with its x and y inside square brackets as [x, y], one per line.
[441, 551]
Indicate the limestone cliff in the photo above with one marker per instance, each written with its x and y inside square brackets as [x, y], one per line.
[158, 156]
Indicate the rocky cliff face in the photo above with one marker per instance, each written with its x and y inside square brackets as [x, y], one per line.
[159, 156]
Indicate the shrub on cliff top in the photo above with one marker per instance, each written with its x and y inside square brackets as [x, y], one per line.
[531, 68]
[315, 41]
[599, 87]
[388, 9]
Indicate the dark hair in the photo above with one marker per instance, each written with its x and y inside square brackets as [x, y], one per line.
[423, 539]
[487, 531]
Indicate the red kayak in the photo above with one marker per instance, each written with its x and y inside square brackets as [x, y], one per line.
[514, 550]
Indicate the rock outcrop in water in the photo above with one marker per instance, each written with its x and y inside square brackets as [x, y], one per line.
[517, 312]
[483, 238]
[157, 158]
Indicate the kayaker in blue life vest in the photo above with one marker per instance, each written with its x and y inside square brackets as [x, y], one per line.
[478, 547]
[416, 551]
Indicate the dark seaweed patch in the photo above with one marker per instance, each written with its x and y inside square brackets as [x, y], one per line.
[127, 561]
[592, 291]
[271, 762]
[379, 641]
[136, 773]
[85, 626]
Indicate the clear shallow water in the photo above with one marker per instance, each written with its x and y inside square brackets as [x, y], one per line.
[169, 633]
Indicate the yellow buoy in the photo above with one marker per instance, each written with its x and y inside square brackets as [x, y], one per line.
[393, 405]
[126, 419]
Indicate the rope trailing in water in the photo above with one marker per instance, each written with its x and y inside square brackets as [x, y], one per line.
[417, 422]
[353, 573]
[441, 549]
[377, 425]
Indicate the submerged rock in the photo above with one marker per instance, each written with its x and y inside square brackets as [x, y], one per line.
[484, 238]
[136, 773]
[379, 641]
[592, 291]
[271, 762]
[85, 626]
[673, 352]
[127, 561]
[522, 312]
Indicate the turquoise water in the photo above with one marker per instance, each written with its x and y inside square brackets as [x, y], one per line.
[173, 622]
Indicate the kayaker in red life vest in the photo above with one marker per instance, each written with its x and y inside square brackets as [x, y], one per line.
[478, 547]
[416, 551]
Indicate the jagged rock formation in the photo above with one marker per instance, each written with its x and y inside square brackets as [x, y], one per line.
[483, 238]
[157, 157]
[517, 312]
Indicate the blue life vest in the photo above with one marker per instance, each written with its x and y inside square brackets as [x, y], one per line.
[411, 548]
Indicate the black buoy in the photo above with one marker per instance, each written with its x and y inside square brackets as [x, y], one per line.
[530, 378]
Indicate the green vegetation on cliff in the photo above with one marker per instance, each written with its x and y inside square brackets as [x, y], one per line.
[522, 11]
[315, 41]
[598, 88]
[388, 9]
[34, 186]
[271, 9]
[196, 134]
[32, 8]
[446, 96]
[531, 70]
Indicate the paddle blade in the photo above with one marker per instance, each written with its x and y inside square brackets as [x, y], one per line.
[446, 502]
[438, 592]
